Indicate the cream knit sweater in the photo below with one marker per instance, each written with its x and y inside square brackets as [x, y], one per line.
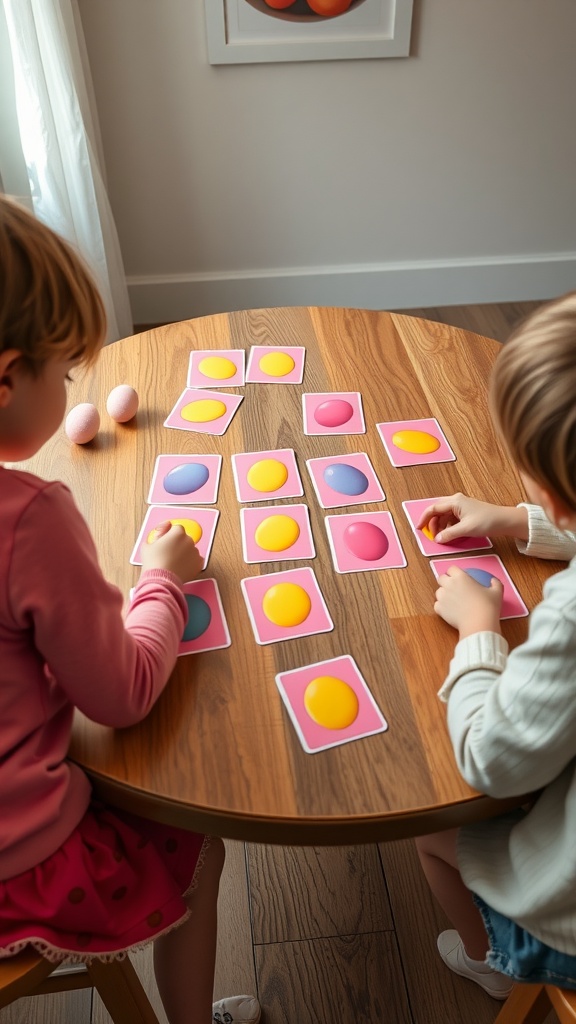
[512, 721]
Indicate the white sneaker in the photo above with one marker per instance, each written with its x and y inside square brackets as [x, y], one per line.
[452, 951]
[236, 1010]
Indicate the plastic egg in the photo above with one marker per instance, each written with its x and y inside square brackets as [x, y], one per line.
[122, 403]
[199, 617]
[203, 410]
[276, 364]
[333, 413]
[346, 479]
[418, 442]
[82, 423]
[366, 540]
[277, 533]
[286, 604]
[217, 367]
[267, 475]
[481, 576]
[331, 702]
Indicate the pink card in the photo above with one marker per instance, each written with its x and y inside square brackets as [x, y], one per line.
[415, 442]
[335, 412]
[344, 480]
[266, 476]
[178, 478]
[329, 703]
[276, 364]
[206, 629]
[207, 412]
[285, 605]
[223, 368]
[277, 533]
[414, 510]
[513, 606]
[363, 541]
[199, 523]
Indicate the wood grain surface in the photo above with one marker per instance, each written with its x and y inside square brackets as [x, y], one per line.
[218, 752]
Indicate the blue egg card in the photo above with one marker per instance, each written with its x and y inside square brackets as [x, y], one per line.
[481, 567]
[178, 479]
[341, 480]
[207, 628]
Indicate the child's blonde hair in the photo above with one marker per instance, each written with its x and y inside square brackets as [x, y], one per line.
[49, 304]
[533, 397]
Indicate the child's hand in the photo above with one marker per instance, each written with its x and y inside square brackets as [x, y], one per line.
[174, 550]
[459, 516]
[468, 606]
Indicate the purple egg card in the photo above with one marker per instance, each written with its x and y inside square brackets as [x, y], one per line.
[207, 628]
[180, 478]
[513, 606]
[415, 442]
[310, 694]
[276, 364]
[199, 523]
[222, 368]
[266, 476]
[344, 480]
[364, 541]
[276, 533]
[285, 605]
[414, 510]
[206, 412]
[336, 412]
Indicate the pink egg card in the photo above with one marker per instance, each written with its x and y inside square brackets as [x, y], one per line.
[266, 476]
[344, 480]
[206, 412]
[276, 364]
[364, 541]
[199, 523]
[223, 368]
[415, 442]
[336, 412]
[329, 703]
[285, 605]
[414, 510]
[276, 533]
[513, 606]
[180, 478]
[206, 629]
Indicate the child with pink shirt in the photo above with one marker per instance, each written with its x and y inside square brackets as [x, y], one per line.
[78, 879]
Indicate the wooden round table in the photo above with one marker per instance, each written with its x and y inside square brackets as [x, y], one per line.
[218, 753]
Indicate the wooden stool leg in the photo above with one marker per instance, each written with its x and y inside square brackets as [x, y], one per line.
[526, 1004]
[120, 989]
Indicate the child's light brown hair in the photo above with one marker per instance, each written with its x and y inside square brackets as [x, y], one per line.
[49, 304]
[533, 397]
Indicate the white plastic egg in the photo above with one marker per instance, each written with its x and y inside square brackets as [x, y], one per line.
[82, 423]
[122, 403]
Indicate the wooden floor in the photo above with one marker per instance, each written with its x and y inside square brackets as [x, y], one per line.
[326, 936]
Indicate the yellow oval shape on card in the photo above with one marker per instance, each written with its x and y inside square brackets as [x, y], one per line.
[277, 533]
[217, 367]
[417, 442]
[203, 410]
[276, 364]
[267, 475]
[191, 527]
[286, 604]
[331, 702]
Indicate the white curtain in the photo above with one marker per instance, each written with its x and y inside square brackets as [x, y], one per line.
[61, 144]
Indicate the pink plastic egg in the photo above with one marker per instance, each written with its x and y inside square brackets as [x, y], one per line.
[82, 423]
[333, 413]
[366, 540]
[122, 403]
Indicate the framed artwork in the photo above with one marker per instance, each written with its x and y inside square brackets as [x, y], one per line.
[254, 31]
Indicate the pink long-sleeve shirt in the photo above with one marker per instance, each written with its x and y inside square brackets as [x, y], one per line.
[63, 645]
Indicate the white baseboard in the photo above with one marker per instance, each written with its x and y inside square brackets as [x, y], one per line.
[162, 299]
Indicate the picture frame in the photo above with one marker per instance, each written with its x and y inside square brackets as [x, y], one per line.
[249, 32]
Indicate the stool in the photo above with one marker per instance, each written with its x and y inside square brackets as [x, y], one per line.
[531, 1004]
[118, 985]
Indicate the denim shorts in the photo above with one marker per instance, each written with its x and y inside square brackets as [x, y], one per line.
[516, 953]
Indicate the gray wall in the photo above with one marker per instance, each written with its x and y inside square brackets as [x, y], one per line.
[441, 178]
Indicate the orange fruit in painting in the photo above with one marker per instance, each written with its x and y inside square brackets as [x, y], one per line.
[329, 8]
[279, 5]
